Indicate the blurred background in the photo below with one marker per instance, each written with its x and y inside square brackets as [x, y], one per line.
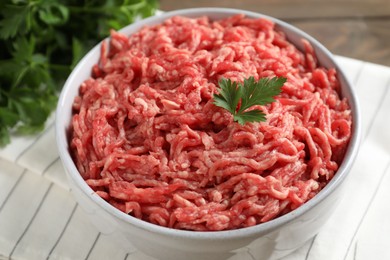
[357, 29]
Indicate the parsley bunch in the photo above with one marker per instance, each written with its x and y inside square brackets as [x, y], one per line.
[40, 42]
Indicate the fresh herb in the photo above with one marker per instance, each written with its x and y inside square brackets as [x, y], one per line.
[40, 43]
[237, 98]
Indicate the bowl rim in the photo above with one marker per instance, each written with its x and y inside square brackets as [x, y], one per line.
[342, 172]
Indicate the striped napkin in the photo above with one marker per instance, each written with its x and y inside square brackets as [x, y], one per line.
[39, 219]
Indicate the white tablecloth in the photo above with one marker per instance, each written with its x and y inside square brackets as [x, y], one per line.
[39, 219]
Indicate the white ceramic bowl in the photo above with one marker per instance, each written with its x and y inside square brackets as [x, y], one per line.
[270, 240]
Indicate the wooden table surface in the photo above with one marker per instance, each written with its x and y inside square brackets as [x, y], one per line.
[357, 29]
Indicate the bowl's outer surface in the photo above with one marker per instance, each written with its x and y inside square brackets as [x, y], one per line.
[270, 240]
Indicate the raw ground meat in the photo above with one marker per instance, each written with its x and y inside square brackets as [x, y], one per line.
[148, 139]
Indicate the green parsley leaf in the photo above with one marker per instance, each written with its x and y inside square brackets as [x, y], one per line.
[15, 19]
[237, 98]
[54, 14]
[8, 117]
[229, 96]
[4, 136]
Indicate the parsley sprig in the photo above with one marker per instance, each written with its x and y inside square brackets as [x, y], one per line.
[237, 98]
[40, 42]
